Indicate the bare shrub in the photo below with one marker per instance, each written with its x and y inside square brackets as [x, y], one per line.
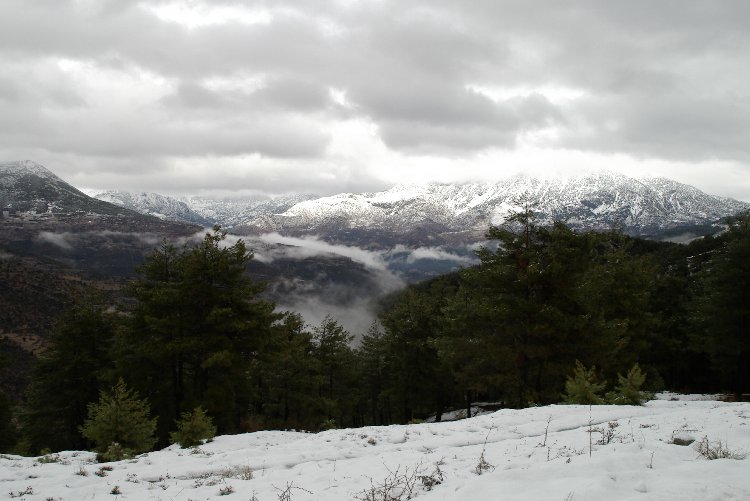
[716, 450]
[608, 434]
[435, 478]
[397, 486]
[285, 494]
[482, 464]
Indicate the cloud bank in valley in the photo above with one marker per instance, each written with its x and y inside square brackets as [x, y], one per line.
[353, 304]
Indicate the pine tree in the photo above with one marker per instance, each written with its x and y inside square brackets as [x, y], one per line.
[193, 428]
[287, 377]
[371, 357]
[195, 332]
[723, 306]
[68, 376]
[582, 388]
[335, 356]
[8, 432]
[420, 381]
[119, 422]
[628, 388]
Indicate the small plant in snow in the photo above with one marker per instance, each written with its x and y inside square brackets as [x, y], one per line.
[608, 433]
[240, 472]
[435, 478]
[717, 450]
[546, 433]
[483, 465]
[582, 388]
[26, 492]
[226, 490]
[328, 424]
[115, 490]
[628, 389]
[285, 494]
[193, 428]
[102, 472]
[396, 486]
[82, 471]
[48, 458]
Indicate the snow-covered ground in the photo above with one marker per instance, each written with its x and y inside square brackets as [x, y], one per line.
[538, 453]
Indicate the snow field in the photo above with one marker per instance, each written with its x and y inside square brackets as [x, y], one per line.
[539, 453]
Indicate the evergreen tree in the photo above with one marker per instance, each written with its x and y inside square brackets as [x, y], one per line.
[8, 432]
[372, 359]
[541, 300]
[119, 421]
[582, 388]
[723, 306]
[420, 382]
[68, 376]
[193, 428]
[195, 332]
[287, 377]
[628, 388]
[334, 355]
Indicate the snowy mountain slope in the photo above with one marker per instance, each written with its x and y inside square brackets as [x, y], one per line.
[153, 204]
[206, 211]
[26, 186]
[594, 201]
[599, 201]
[539, 453]
[234, 211]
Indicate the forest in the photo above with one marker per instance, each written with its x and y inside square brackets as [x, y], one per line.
[193, 338]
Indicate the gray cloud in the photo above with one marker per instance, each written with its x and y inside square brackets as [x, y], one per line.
[100, 85]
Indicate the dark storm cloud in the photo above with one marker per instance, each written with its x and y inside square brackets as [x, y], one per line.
[661, 80]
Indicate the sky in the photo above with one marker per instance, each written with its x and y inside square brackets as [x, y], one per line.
[330, 96]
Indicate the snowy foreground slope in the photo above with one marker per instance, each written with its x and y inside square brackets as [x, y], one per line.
[639, 462]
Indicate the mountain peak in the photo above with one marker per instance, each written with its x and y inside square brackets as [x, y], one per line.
[21, 167]
[29, 187]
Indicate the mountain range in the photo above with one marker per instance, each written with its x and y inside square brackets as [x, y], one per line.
[449, 214]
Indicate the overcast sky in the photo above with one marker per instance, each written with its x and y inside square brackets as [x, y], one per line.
[327, 96]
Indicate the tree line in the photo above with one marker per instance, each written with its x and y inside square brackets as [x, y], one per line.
[195, 334]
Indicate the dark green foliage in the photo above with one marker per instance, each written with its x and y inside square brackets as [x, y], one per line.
[195, 331]
[419, 381]
[8, 432]
[508, 330]
[335, 361]
[628, 388]
[582, 388]
[722, 306]
[373, 361]
[119, 424]
[543, 299]
[193, 428]
[287, 377]
[68, 376]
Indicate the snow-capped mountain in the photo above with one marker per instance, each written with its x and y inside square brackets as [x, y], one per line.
[424, 214]
[154, 204]
[228, 212]
[26, 186]
[596, 201]
[235, 211]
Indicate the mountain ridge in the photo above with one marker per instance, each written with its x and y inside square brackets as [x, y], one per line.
[420, 213]
[600, 201]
